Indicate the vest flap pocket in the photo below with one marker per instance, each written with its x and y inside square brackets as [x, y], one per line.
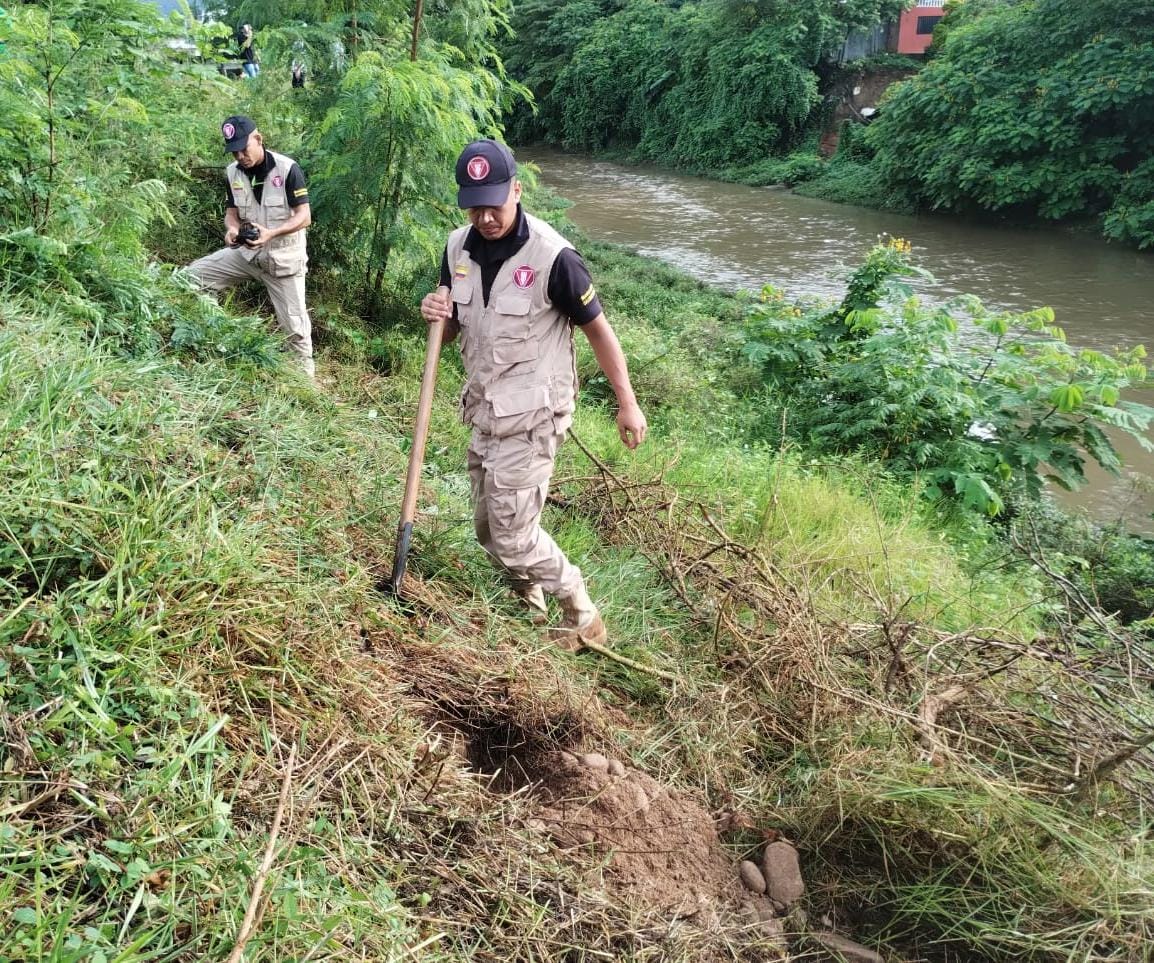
[516, 304]
[521, 401]
[514, 350]
[462, 293]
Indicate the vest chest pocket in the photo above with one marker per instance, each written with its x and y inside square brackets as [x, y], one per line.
[515, 351]
[512, 343]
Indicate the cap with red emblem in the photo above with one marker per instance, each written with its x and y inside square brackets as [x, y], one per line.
[236, 131]
[485, 170]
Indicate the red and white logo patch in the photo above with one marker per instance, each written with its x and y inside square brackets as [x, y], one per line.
[523, 276]
[277, 180]
[228, 130]
[478, 168]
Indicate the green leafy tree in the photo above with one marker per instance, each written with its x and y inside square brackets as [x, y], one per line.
[384, 157]
[696, 85]
[1038, 108]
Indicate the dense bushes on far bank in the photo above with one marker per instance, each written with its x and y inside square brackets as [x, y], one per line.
[1032, 110]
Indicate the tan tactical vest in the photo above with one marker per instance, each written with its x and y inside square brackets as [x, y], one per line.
[283, 256]
[518, 350]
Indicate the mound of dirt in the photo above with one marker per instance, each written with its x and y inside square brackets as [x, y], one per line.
[658, 849]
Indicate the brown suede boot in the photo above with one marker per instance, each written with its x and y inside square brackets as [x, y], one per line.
[581, 625]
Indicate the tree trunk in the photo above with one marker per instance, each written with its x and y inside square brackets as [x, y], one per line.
[416, 29]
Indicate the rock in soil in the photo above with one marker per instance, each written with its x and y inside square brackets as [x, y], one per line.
[782, 873]
[595, 761]
[752, 877]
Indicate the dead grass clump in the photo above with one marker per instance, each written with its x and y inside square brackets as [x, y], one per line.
[937, 781]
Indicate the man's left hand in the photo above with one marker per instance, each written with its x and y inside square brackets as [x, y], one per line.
[631, 425]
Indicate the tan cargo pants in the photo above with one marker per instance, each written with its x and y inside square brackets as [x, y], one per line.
[510, 479]
[227, 267]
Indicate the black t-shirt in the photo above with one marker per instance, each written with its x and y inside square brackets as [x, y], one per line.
[295, 189]
[570, 284]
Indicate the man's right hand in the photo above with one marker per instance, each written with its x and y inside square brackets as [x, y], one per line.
[230, 236]
[436, 306]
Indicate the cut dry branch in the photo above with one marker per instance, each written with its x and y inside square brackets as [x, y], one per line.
[248, 924]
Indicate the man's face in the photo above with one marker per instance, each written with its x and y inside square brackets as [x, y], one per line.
[253, 152]
[496, 222]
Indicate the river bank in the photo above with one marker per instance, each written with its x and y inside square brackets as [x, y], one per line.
[737, 236]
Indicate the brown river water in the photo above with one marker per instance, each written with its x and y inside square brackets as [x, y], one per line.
[744, 237]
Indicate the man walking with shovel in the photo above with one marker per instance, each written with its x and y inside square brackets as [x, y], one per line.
[512, 289]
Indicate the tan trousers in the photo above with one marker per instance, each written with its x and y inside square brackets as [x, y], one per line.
[227, 267]
[510, 479]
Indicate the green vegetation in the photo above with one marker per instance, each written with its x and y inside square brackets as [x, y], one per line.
[1035, 109]
[194, 538]
[984, 418]
[700, 86]
[1027, 109]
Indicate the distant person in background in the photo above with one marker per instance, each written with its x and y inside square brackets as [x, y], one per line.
[248, 52]
[298, 74]
[266, 213]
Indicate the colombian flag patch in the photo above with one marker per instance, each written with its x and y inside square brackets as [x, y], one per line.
[461, 271]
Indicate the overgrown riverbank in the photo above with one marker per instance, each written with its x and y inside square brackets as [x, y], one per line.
[191, 582]
[195, 647]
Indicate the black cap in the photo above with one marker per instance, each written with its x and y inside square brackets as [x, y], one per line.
[236, 131]
[485, 170]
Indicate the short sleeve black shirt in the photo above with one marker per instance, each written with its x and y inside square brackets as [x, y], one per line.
[570, 286]
[295, 188]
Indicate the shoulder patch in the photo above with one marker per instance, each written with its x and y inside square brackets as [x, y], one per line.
[589, 295]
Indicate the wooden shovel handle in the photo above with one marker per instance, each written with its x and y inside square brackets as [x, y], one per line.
[417, 452]
[421, 428]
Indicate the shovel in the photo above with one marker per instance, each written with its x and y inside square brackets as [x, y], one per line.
[416, 455]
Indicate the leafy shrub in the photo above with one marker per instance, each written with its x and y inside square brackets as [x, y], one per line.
[1113, 569]
[980, 418]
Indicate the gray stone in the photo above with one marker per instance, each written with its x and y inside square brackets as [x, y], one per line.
[616, 768]
[847, 950]
[595, 761]
[782, 873]
[752, 877]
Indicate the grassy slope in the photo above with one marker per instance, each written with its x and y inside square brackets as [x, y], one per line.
[190, 585]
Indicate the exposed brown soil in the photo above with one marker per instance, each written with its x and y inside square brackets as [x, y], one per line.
[652, 846]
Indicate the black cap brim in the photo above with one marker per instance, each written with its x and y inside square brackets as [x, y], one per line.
[237, 143]
[484, 195]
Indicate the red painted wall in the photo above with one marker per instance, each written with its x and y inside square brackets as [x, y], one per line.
[909, 40]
